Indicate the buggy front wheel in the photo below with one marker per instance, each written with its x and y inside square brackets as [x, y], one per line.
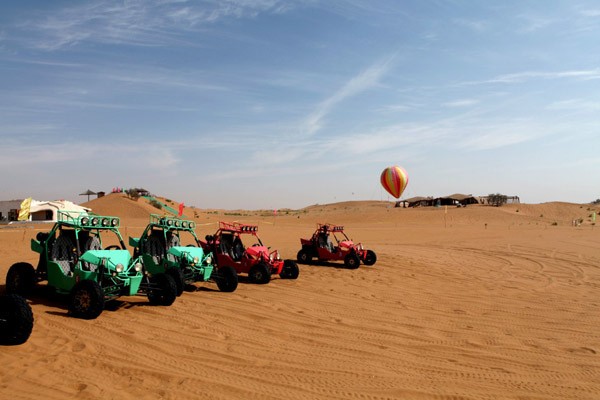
[16, 320]
[162, 291]
[227, 279]
[370, 257]
[177, 275]
[290, 270]
[87, 300]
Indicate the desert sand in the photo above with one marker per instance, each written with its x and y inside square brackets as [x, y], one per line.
[463, 303]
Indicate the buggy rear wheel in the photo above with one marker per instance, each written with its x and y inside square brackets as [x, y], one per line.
[87, 300]
[227, 279]
[16, 320]
[20, 279]
[290, 270]
[163, 290]
[370, 258]
[260, 274]
[352, 261]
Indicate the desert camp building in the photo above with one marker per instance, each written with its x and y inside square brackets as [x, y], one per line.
[457, 199]
[9, 209]
[39, 211]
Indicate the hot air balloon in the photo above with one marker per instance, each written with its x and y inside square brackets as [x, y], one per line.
[394, 180]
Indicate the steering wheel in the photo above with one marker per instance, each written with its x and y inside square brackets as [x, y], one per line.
[113, 247]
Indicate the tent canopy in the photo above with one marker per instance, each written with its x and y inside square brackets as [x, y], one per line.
[48, 210]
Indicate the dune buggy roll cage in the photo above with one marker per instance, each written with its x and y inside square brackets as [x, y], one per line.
[236, 227]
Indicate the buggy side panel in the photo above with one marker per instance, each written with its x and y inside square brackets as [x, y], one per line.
[58, 279]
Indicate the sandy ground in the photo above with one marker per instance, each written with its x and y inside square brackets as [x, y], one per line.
[464, 303]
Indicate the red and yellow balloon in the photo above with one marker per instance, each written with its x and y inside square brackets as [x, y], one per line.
[394, 179]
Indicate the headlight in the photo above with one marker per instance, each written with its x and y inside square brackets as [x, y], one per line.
[137, 267]
[271, 257]
[114, 222]
[94, 221]
[208, 260]
[195, 260]
[85, 220]
[184, 224]
[105, 222]
[169, 223]
[177, 224]
[119, 268]
[192, 225]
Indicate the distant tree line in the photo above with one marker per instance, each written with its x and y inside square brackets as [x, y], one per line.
[497, 199]
[596, 202]
[133, 193]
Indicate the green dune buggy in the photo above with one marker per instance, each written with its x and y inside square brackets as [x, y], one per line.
[73, 262]
[169, 245]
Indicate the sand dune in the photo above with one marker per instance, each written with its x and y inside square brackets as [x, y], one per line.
[464, 303]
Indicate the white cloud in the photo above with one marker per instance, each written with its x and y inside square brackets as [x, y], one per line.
[525, 76]
[360, 83]
[590, 13]
[534, 23]
[399, 108]
[138, 22]
[460, 103]
[476, 25]
[575, 104]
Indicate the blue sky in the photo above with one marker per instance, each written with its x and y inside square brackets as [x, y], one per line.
[288, 103]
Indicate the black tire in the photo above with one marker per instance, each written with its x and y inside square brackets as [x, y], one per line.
[352, 261]
[290, 270]
[16, 320]
[227, 279]
[260, 274]
[177, 275]
[163, 290]
[304, 256]
[370, 258]
[87, 300]
[20, 279]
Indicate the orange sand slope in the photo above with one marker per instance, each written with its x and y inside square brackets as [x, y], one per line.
[464, 303]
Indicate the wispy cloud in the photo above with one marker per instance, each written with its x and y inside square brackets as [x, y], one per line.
[575, 104]
[520, 77]
[460, 103]
[362, 82]
[533, 23]
[590, 13]
[399, 108]
[475, 25]
[138, 22]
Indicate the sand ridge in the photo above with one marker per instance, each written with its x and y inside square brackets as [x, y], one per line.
[470, 303]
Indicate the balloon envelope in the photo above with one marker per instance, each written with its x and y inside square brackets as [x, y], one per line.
[394, 180]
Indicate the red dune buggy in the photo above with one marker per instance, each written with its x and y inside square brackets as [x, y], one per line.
[256, 261]
[322, 247]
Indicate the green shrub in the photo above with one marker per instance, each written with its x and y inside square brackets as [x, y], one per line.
[497, 199]
[156, 204]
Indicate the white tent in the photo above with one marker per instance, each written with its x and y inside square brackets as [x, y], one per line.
[47, 211]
